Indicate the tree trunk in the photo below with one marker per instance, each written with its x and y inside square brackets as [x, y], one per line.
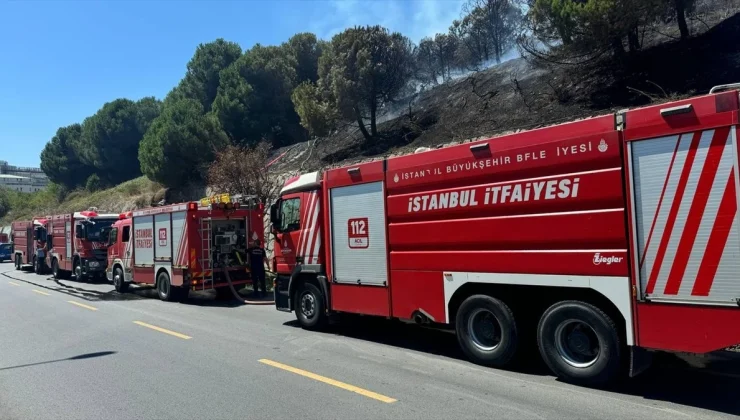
[633, 39]
[361, 124]
[618, 47]
[681, 18]
[373, 124]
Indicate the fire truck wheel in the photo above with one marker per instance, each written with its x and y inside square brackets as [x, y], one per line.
[486, 330]
[120, 285]
[309, 307]
[38, 266]
[579, 343]
[77, 269]
[164, 287]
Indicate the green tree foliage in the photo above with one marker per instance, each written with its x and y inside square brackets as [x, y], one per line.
[202, 78]
[363, 69]
[305, 49]
[254, 96]
[93, 183]
[110, 139]
[488, 28]
[4, 202]
[253, 100]
[594, 26]
[180, 143]
[60, 161]
[436, 58]
[318, 115]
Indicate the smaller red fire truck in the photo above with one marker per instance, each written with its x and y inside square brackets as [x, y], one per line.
[606, 239]
[29, 239]
[187, 246]
[79, 242]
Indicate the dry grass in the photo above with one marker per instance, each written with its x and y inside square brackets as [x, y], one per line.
[136, 193]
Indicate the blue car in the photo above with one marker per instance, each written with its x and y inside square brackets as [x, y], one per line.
[6, 251]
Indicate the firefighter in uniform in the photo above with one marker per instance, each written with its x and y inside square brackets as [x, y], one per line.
[257, 266]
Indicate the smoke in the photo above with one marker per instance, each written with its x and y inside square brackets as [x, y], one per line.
[397, 108]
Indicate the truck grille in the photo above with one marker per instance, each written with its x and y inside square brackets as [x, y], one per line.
[100, 254]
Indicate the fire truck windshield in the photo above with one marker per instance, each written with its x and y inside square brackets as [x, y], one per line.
[98, 230]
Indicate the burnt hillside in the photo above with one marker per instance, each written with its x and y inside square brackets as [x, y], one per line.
[523, 94]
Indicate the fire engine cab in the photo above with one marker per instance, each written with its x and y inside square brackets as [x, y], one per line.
[79, 244]
[602, 240]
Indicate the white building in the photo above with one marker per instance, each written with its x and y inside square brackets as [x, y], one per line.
[22, 179]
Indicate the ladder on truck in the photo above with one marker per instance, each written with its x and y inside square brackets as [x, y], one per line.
[206, 257]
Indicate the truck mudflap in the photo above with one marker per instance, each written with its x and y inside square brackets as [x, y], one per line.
[282, 293]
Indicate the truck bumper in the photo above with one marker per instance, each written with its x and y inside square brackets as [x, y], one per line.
[89, 268]
[282, 293]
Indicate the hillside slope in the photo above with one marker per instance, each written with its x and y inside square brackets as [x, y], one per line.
[520, 94]
[136, 193]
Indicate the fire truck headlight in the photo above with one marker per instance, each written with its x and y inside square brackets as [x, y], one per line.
[94, 264]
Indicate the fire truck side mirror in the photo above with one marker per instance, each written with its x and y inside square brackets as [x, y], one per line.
[79, 231]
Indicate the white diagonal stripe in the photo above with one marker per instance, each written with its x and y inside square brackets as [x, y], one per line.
[306, 227]
[313, 224]
[670, 193]
[708, 219]
[683, 211]
[317, 241]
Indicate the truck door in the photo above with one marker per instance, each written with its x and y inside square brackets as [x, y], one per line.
[683, 173]
[126, 248]
[292, 231]
[113, 248]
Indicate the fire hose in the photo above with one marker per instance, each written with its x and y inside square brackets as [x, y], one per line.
[234, 292]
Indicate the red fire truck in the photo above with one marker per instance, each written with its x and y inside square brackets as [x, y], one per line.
[29, 242]
[185, 246]
[79, 242]
[606, 239]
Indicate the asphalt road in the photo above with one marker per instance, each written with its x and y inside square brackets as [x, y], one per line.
[78, 350]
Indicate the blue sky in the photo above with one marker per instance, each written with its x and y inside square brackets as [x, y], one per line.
[62, 60]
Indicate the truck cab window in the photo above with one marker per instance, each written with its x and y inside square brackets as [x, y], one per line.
[290, 215]
[113, 236]
[126, 234]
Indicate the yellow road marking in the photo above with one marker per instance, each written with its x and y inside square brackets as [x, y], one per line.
[14, 284]
[162, 330]
[40, 292]
[82, 305]
[329, 381]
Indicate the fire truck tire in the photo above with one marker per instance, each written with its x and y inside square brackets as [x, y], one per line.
[39, 267]
[77, 270]
[487, 331]
[164, 288]
[580, 343]
[56, 272]
[118, 282]
[309, 307]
